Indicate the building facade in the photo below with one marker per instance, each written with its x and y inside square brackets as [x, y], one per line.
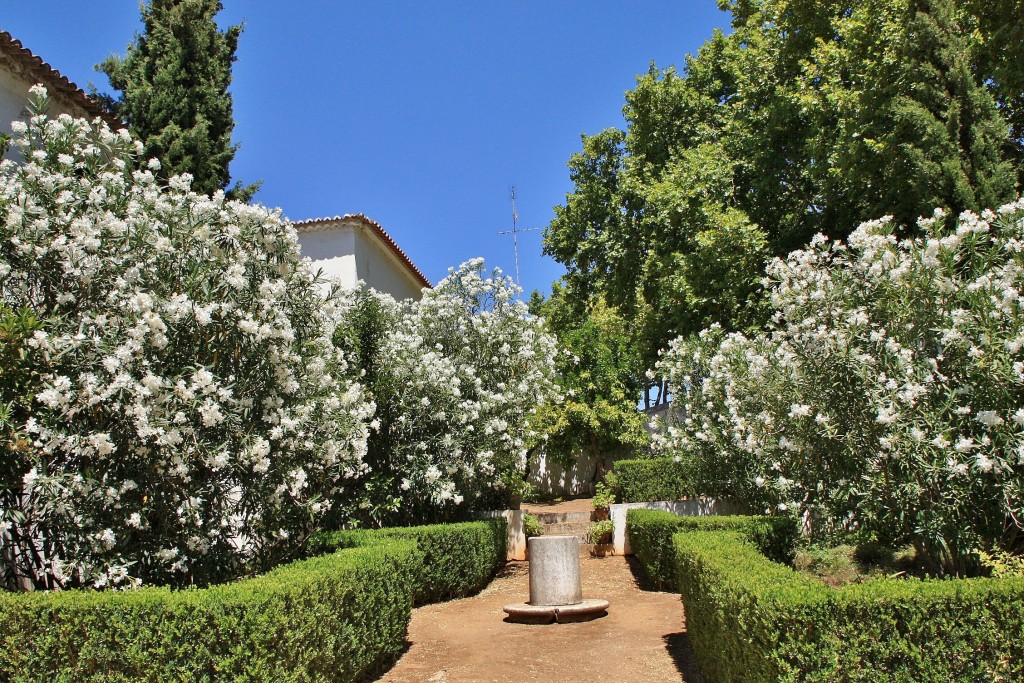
[20, 69]
[353, 248]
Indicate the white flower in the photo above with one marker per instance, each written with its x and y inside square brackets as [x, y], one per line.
[102, 444]
[799, 410]
[989, 418]
[887, 415]
[965, 444]
[108, 538]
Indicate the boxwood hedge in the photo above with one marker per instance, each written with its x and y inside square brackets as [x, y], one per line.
[651, 531]
[332, 618]
[644, 481]
[754, 620]
[339, 616]
[457, 559]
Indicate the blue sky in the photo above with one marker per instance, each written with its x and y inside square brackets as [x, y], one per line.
[418, 114]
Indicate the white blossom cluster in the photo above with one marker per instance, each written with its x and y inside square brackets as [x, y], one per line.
[886, 395]
[459, 373]
[191, 416]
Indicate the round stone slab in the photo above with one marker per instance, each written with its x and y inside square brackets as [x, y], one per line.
[546, 614]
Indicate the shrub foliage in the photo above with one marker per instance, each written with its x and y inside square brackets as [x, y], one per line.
[338, 616]
[457, 559]
[335, 617]
[643, 481]
[885, 397]
[651, 533]
[455, 377]
[187, 416]
[754, 620]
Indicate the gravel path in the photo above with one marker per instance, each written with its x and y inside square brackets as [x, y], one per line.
[642, 639]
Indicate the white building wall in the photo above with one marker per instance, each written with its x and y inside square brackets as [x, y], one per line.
[333, 251]
[379, 268]
[15, 82]
[13, 96]
[350, 253]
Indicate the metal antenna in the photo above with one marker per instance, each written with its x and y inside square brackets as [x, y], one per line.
[515, 229]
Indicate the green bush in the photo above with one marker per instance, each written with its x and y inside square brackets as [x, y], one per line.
[651, 531]
[600, 531]
[532, 526]
[337, 617]
[643, 481]
[457, 559]
[604, 496]
[754, 620]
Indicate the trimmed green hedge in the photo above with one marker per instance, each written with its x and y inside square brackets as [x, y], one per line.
[651, 531]
[755, 621]
[644, 481]
[337, 617]
[457, 559]
[340, 616]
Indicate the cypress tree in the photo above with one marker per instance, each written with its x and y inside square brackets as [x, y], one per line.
[173, 86]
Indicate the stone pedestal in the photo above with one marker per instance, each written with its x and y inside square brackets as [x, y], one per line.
[555, 591]
[555, 570]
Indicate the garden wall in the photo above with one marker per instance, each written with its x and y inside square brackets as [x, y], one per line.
[552, 478]
[693, 507]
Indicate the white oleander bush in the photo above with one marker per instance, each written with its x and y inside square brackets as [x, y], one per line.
[886, 395]
[190, 419]
[455, 377]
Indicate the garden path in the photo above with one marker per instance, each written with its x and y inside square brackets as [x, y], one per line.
[642, 639]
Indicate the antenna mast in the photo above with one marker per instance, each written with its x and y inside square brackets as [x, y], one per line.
[515, 229]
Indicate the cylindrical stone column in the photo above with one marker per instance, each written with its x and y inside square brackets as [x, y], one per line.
[555, 570]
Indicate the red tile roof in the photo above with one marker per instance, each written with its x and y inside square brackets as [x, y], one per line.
[58, 84]
[317, 224]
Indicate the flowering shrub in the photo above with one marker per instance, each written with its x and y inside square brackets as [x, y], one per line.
[190, 421]
[455, 377]
[886, 394]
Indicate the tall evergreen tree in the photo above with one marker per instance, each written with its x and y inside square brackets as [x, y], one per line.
[173, 86]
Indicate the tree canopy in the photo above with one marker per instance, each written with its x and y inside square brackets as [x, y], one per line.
[810, 116]
[600, 376]
[173, 86]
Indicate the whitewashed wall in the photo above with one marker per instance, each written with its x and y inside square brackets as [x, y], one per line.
[378, 267]
[13, 94]
[349, 253]
[550, 477]
[334, 252]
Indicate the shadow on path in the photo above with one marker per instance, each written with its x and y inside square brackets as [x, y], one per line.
[681, 650]
[677, 645]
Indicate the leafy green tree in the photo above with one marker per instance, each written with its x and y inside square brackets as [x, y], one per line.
[600, 375]
[173, 86]
[811, 116]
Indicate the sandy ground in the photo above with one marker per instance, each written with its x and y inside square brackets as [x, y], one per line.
[642, 638]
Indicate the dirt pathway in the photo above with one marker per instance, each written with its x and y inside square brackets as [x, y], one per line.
[642, 639]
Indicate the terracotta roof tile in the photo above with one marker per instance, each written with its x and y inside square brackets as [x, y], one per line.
[56, 82]
[317, 224]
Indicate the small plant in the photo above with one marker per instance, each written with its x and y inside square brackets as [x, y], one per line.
[604, 497]
[1001, 564]
[601, 532]
[531, 526]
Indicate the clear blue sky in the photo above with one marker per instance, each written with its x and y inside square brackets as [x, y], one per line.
[418, 114]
